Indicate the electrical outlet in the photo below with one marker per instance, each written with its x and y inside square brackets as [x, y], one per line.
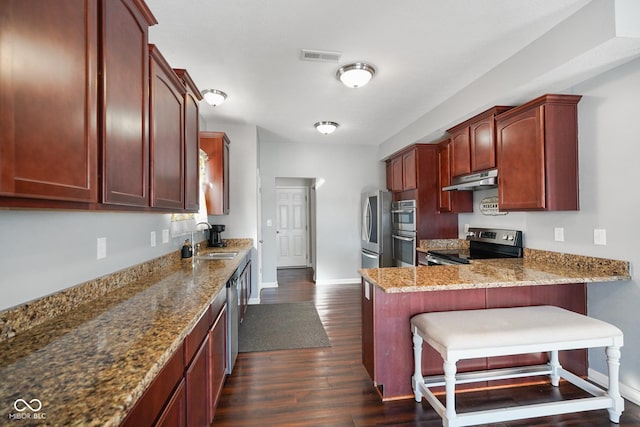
[599, 236]
[558, 234]
[165, 235]
[466, 228]
[153, 239]
[101, 248]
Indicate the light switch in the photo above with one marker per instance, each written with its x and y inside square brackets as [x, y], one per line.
[558, 234]
[101, 248]
[599, 236]
[269, 223]
[165, 235]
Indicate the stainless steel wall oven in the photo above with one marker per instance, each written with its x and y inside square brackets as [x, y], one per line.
[403, 215]
[404, 248]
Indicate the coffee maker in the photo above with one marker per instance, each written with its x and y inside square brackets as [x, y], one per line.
[215, 241]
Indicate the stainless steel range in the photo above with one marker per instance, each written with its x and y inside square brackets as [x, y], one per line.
[484, 243]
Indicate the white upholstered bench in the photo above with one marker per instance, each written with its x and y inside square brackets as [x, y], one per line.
[467, 334]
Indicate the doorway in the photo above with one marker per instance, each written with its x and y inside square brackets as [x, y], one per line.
[294, 222]
[292, 226]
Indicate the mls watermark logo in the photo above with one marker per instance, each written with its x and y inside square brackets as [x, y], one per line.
[31, 410]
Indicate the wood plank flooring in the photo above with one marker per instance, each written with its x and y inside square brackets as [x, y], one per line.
[330, 387]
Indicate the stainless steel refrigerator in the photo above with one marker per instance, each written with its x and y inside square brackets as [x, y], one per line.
[376, 229]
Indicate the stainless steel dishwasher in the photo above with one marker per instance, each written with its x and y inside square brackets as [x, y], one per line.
[233, 321]
[233, 316]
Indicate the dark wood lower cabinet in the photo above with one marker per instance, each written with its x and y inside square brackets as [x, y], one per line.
[387, 348]
[174, 414]
[218, 359]
[198, 389]
[154, 400]
[187, 389]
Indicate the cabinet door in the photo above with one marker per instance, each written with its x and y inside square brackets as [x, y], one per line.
[409, 171]
[396, 174]
[167, 134]
[154, 400]
[444, 175]
[483, 150]
[218, 358]
[244, 288]
[198, 387]
[521, 181]
[216, 185]
[225, 184]
[460, 152]
[48, 99]
[125, 91]
[191, 142]
[174, 414]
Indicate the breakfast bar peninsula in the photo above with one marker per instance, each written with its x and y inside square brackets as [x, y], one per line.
[391, 296]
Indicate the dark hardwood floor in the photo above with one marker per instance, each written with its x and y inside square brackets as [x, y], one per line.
[330, 387]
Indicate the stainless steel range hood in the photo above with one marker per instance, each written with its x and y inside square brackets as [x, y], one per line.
[474, 181]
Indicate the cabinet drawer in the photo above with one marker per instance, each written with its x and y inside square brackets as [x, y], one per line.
[153, 400]
[197, 335]
[218, 303]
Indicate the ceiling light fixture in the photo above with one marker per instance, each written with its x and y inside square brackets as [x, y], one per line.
[326, 127]
[355, 75]
[214, 97]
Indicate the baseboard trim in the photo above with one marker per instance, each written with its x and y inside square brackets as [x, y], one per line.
[338, 281]
[265, 285]
[627, 392]
[253, 301]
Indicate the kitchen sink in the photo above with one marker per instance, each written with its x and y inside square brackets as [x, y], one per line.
[217, 255]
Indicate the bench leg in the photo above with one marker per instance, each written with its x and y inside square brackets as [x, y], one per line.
[417, 366]
[450, 390]
[554, 363]
[613, 362]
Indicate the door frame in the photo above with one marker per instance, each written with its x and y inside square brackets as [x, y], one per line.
[308, 215]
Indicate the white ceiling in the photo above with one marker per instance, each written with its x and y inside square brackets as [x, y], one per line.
[424, 51]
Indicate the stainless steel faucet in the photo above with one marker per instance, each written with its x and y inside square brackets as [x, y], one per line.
[209, 227]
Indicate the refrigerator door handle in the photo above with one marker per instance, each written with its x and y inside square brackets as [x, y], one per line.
[369, 254]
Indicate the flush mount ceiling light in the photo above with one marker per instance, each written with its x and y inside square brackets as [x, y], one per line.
[214, 97]
[326, 127]
[355, 75]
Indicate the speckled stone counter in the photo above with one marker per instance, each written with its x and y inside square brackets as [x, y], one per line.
[392, 296]
[88, 366]
[535, 268]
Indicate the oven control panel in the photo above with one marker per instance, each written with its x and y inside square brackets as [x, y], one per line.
[495, 236]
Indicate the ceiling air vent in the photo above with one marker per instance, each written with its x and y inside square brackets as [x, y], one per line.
[319, 55]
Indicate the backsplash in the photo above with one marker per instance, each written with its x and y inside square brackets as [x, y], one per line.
[25, 316]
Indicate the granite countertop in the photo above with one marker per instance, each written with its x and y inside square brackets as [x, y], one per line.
[535, 268]
[89, 366]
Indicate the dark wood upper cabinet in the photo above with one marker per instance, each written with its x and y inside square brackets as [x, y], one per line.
[538, 155]
[125, 102]
[473, 143]
[409, 171]
[191, 142]
[418, 173]
[460, 151]
[403, 170]
[450, 201]
[167, 133]
[396, 174]
[49, 100]
[216, 185]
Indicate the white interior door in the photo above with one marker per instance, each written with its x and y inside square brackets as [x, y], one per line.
[292, 230]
